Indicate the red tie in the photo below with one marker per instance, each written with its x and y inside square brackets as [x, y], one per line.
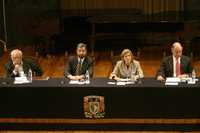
[178, 72]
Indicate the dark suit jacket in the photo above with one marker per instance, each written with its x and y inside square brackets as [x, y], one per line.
[72, 64]
[28, 63]
[166, 68]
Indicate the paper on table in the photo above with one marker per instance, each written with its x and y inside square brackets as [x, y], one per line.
[173, 79]
[171, 83]
[111, 83]
[130, 82]
[76, 82]
[121, 83]
[123, 80]
[73, 82]
[21, 80]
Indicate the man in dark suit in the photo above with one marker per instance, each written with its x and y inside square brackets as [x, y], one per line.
[18, 66]
[79, 64]
[176, 65]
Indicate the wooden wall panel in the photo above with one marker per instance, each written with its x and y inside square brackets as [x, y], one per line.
[2, 33]
[148, 6]
[97, 4]
[93, 132]
[24, 16]
[72, 4]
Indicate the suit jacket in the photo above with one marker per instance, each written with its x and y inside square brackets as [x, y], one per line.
[72, 63]
[166, 68]
[28, 63]
[122, 72]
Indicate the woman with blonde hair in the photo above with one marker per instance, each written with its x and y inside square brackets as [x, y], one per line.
[127, 67]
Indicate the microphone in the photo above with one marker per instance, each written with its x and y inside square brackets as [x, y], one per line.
[113, 77]
[62, 82]
[4, 83]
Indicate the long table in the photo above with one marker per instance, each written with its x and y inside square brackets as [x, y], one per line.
[57, 99]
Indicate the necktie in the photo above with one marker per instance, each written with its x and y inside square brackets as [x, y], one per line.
[78, 68]
[178, 72]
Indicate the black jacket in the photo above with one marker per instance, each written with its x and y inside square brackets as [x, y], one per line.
[28, 63]
[73, 62]
[166, 68]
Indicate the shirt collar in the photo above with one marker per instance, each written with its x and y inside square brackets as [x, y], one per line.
[174, 59]
[81, 59]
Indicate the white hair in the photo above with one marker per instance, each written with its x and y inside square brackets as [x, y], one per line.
[16, 51]
[177, 44]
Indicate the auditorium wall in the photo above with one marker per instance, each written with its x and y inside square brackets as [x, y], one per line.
[28, 19]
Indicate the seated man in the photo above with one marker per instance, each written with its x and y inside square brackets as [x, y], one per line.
[127, 67]
[18, 66]
[176, 65]
[79, 64]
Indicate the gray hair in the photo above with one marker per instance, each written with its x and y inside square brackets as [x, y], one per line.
[81, 45]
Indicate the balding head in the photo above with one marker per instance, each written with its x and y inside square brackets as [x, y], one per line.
[16, 56]
[177, 45]
[177, 49]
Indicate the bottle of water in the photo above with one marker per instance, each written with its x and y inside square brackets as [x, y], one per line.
[193, 74]
[87, 77]
[29, 77]
[133, 77]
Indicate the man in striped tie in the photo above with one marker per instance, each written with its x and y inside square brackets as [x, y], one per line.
[176, 65]
[79, 64]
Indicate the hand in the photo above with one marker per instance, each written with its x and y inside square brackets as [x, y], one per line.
[78, 77]
[112, 76]
[183, 76]
[16, 69]
[160, 78]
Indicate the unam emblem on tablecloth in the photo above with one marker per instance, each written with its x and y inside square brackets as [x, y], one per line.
[94, 106]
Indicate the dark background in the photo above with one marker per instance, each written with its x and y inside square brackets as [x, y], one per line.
[65, 21]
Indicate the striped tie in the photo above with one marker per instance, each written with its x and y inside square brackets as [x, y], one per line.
[78, 68]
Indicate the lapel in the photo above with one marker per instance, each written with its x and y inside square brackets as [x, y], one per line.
[131, 68]
[25, 67]
[84, 64]
[124, 68]
[76, 61]
[182, 64]
[171, 66]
